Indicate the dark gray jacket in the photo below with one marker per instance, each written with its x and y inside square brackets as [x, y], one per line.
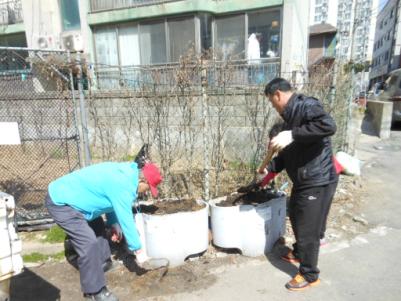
[308, 160]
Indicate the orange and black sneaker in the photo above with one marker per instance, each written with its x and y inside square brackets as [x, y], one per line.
[290, 257]
[299, 283]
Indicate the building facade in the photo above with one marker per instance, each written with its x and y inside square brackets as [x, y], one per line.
[12, 29]
[355, 22]
[387, 42]
[152, 32]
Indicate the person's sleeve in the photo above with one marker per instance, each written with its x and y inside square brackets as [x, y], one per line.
[277, 164]
[317, 125]
[111, 218]
[122, 205]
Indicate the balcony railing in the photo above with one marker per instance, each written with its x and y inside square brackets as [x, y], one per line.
[100, 5]
[11, 12]
[237, 73]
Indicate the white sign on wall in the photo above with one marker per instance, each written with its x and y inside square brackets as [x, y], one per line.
[9, 133]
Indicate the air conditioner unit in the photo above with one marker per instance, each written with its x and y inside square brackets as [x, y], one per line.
[43, 41]
[73, 42]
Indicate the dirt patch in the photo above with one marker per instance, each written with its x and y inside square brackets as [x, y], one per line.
[250, 198]
[169, 206]
[60, 281]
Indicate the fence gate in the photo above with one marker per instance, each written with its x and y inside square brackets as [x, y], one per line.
[36, 92]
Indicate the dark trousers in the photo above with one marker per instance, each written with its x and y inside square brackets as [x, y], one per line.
[308, 210]
[92, 251]
[328, 197]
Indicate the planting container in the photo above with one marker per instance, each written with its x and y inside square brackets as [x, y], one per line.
[174, 236]
[253, 229]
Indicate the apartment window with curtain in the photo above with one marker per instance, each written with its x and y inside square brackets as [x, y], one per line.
[153, 43]
[70, 14]
[230, 37]
[181, 37]
[128, 41]
[106, 46]
[266, 25]
[205, 31]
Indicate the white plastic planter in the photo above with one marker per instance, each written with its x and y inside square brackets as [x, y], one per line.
[251, 229]
[10, 246]
[174, 236]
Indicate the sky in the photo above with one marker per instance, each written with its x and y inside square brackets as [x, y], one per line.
[382, 3]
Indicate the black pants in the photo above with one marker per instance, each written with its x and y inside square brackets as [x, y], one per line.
[308, 210]
[329, 195]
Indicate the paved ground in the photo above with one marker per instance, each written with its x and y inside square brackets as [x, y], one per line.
[364, 268]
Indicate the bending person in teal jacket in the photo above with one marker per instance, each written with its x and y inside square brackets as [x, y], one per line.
[83, 196]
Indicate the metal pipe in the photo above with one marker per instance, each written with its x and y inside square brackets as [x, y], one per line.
[84, 122]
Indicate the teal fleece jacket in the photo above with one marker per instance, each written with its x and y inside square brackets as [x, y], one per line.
[108, 188]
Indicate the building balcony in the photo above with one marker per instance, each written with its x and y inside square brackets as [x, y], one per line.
[102, 5]
[11, 12]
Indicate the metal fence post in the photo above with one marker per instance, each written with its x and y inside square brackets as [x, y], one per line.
[75, 109]
[84, 122]
[205, 128]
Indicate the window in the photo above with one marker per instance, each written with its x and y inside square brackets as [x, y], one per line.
[266, 26]
[392, 13]
[129, 45]
[153, 43]
[70, 14]
[205, 31]
[229, 37]
[18, 60]
[106, 46]
[318, 18]
[181, 37]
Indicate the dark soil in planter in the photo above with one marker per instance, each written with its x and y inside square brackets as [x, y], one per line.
[250, 198]
[171, 206]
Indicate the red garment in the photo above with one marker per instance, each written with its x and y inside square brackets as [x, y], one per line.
[271, 175]
[266, 180]
[338, 166]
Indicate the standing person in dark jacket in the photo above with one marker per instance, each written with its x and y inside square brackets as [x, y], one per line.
[305, 152]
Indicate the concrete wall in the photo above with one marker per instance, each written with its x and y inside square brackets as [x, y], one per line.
[381, 112]
[295, 36]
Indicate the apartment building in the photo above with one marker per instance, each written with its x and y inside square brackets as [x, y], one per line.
[151, 32]
[387, 42]
[355, 22]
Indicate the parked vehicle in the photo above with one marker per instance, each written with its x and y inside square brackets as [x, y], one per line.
[392, 92]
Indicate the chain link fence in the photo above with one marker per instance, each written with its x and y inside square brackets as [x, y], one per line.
[37, 95]
[207, 121]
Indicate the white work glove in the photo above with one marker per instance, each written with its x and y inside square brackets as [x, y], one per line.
[260, 175]
[141, 257]
[283, 139]
[149, 263]
[116, 233]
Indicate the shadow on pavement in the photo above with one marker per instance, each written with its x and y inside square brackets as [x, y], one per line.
[32, 287]
[274, 258]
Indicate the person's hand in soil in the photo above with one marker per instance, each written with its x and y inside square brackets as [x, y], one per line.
[149, 263]
[116, 233]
